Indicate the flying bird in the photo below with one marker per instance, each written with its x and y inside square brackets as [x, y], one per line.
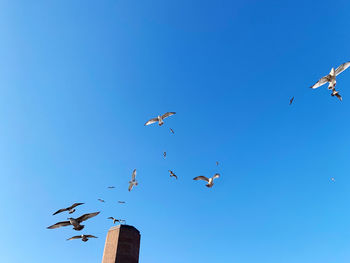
[121, 202]
[83, 238]
[164, 154]
[172, 174]
[133, 181]
[217, 163]
[331, 79]
[101, 200]
[116, 220]
[172, 131]
[75, 222]
[210, 181]
[291, 101]
[111, 187]
[70, 209]
[333, 180]
[160, 119]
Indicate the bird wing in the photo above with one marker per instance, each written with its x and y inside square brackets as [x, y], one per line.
[90, 236]
[60, 211]
[75, 205]
[201, 177]
[111, 218]
[151, 121]
[216, 176]
[59, 224]
[165, 115]
[338, 96]
[86, 217]
[130, 186]
[342, 67]
[75, 237]
[133, 176]
[321, 82]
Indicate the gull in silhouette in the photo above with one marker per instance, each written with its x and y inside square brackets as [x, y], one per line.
[133, 181]
[217, 163]
[160, 119]
[116, 220]
[291, 101]
[101, 200]
[70, 209]
[172, 174]
[172, 131]
[164, 154]
[331, 79]
[83, 238]
[210, 181]
[75, 222]
[121, 202]
[111, 187]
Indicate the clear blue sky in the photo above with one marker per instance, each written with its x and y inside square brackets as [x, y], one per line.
[78, 79]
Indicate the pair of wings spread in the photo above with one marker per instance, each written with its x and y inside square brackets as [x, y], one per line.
[79, 219]
[156, 119]
[68, 208]
[78, 237]
[206, 178]
[325, 79]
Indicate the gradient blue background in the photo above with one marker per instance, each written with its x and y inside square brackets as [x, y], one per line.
[78, 79]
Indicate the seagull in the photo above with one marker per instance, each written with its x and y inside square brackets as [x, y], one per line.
[217, 163]
[333, 180]
[121, 202]
[172, 174]
[75, 222]
[83, 238]
[172, 131]
[164, 154]
[291, 101]
[116, 220]
[70, 209]
[111, 187]
[133, 181]
[210, 181]
[101, 200]
[159, 119]
[331, 79]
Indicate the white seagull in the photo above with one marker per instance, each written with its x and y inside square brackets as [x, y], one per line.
[83, 238]
[133, 181]
[210, 181]
[71, 209]
[331, 79]
[75, 222]
[159, 119]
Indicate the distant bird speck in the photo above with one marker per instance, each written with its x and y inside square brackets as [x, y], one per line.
[111, 187]
[121, 202]
[172, 174]
[164, 155]
[83, 238]
[291, 101]
[116, 220]
[172, 131]
[101, 200]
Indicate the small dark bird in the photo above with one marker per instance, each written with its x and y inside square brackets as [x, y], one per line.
[70, 209]
[164, 154]
[75, 222]
[291, 101]
[83, 238]
[172, 131]
[172, 174]
[217, 163]
[159, 119]
[116, 220]
[121, 202]
[210, 181]
[101, 200]
[133, 181]
[111, 187]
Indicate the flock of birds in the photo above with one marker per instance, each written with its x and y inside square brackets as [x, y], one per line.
[76, 222]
